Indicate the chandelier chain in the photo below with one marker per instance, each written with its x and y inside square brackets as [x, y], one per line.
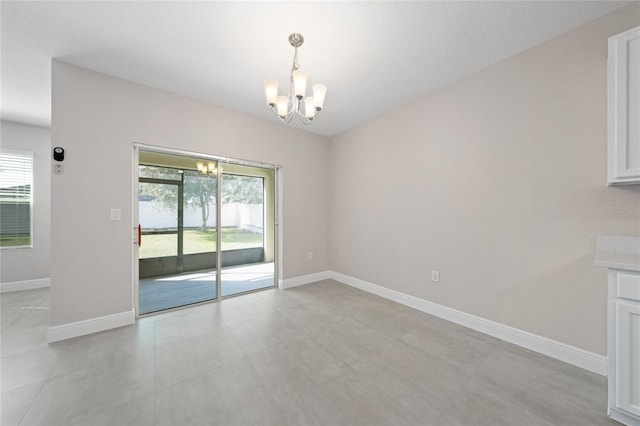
[294, 67]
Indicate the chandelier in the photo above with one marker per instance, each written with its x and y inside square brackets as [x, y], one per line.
[295, 103]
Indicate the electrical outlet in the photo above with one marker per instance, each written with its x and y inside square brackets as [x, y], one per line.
[310, 255]
[435, 276]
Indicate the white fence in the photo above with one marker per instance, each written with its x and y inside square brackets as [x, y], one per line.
[245, 216]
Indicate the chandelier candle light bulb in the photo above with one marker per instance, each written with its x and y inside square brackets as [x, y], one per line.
[309, 107]
[283, 106]
[287, 106]
[319, 92]
[271, 91]
[299, 83]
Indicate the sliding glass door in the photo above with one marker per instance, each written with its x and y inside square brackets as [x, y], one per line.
[207, 230]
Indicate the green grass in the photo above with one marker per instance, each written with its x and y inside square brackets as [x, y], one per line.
[15, 241]
[198, 242]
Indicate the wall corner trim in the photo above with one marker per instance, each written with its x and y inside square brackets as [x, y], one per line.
[25, 285]
[575, 356]
[304, 279]
[93, 325]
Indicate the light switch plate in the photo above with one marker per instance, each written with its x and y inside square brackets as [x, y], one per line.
[115, 214]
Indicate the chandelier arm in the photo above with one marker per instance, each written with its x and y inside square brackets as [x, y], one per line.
[302, 118]
[292, 106]
[274, 109]
[288, 118]
[293, 111]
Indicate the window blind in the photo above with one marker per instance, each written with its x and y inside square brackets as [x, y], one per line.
[16, 198]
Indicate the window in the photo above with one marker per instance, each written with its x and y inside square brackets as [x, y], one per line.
[16, 198]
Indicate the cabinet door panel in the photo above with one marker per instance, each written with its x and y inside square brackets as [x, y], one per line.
[633, 106]
[628, 356]
[624, 107]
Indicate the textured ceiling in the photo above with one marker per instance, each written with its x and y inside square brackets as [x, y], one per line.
[373, 56]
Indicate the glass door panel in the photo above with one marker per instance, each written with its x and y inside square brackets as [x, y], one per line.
[177, 213]
[247, 231]
[158, 253]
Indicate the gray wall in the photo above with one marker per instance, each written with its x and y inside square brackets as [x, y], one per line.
[502, 182]
[501, 178]
[26, 264]
[96, 118]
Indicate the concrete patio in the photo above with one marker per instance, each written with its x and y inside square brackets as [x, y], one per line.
[157, 294]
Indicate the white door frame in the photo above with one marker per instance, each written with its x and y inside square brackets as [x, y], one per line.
[135, 222]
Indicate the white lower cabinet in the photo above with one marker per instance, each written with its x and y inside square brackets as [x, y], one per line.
[624, 346]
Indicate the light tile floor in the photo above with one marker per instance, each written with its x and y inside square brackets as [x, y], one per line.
[320, 354]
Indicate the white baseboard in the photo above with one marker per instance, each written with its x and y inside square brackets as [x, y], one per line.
[25, 285]
[93, 325]
[560, 351]
[304, 279]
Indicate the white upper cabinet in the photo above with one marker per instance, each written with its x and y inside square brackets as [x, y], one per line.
[623, 84]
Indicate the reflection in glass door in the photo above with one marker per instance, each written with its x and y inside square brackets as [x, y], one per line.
[247, 228]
